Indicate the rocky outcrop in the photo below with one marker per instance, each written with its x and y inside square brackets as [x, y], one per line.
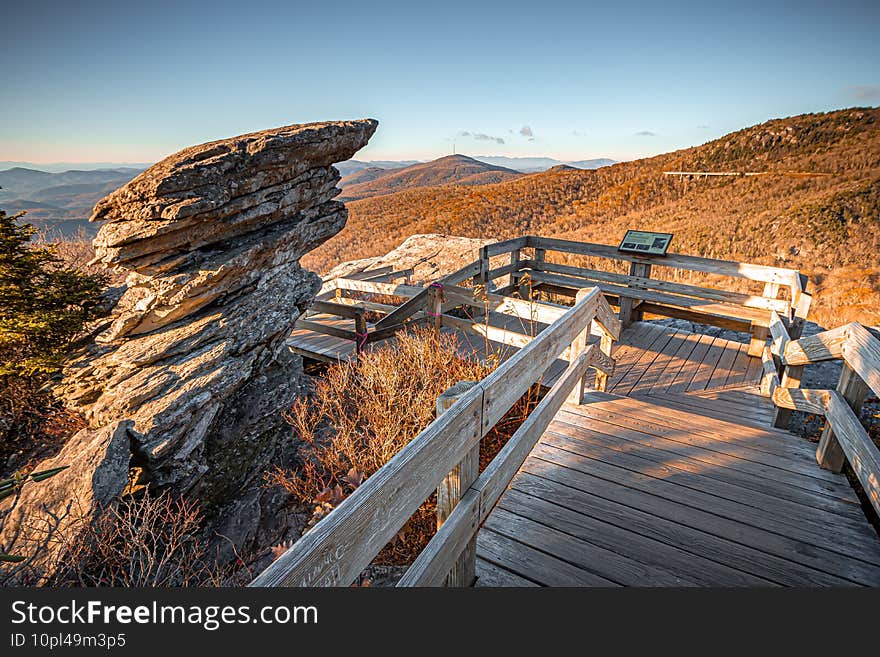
[430, 256]
[97, 466]
[193, 355]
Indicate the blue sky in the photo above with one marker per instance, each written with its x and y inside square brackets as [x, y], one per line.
[120, 81]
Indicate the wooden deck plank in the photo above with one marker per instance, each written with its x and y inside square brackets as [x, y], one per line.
[746, 391]
[488, 574]
[753, 444]
[754, 371]
[758, 489]
[689, 369]
[648, 355]
[734, 408]
[587, 556]
[762, 477]
[758, 416]
[809, 523]
[836, 549]
[632, 343]
[730, 402]
[690, 568]
[643, 413]
[724, 367]
[652, 373]
[525, 561]
[737, 375]
[751, 527]
[690, 529]
[706, 369]
[670, 373]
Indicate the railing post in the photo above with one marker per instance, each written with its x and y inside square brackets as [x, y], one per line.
[758, 341]
[451, 489]
[627, 313]
[605, 345]
[577, 348]
[483, 277]
[641, 270]
[829, 454]
[435, 305]
[360, 330]
[540, 257]
[514, 275]
[791, 378]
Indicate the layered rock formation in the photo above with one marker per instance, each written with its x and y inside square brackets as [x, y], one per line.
[192, 363]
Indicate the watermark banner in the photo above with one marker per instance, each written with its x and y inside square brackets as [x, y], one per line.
[161, 622]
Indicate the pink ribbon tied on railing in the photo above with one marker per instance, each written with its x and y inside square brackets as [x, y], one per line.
[361, 339]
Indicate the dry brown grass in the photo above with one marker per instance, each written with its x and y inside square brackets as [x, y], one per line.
[362, 413]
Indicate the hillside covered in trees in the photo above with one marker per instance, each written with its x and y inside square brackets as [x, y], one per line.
[828, 226]
[452, 169]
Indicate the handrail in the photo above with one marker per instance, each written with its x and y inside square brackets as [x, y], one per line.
[418, 304]
[637, 293]
[844, 439]
[762, 273]
[438, 557]
[342, 544]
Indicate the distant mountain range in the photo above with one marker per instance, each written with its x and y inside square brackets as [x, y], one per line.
[59, 197]
[520, 164]
[353, 166]
[60, 167]
[449, 170]
[59, 202]
[537, 164]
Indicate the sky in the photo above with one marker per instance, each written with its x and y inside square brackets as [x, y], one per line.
[135, 81]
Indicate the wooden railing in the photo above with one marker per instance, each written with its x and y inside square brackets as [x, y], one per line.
[637, 292]
[441, 458]
[843, 439]
[529, 269]
[332, 300]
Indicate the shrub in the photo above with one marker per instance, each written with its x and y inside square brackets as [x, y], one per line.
[43, 304]
[152, 540]
[361, 413]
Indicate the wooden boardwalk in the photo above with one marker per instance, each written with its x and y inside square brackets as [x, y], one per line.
[666, 469]
[623, 491]
[671, 478]
[330, 349]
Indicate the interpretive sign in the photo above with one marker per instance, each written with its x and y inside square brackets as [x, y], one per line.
[645, 242]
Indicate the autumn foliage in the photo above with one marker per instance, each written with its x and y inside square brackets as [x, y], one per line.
[816, 224]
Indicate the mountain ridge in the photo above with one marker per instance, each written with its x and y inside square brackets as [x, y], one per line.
[60, 201]
[448, 170]
[827, 226]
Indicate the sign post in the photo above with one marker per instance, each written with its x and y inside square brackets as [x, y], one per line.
[645, 243]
